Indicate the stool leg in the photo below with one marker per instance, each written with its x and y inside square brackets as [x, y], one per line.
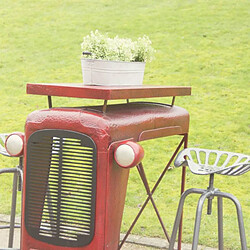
[198, 219]
[220, 222]
[179, 213]
[239, 215]
[13, 210]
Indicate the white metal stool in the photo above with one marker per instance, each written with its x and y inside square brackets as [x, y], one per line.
[17, 185]
[210, 162]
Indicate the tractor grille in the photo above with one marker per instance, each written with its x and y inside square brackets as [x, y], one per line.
[60, 187]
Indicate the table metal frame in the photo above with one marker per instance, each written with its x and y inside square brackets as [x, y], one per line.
[150, 193]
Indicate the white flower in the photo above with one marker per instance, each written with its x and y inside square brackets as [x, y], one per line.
[117, 49]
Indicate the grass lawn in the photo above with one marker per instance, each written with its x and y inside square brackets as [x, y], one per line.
[203, 44]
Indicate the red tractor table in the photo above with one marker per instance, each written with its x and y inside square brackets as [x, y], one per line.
[74, 190]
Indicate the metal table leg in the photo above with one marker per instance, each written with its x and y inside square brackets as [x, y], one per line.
[145, 182]
[183, 181]
[149, 194]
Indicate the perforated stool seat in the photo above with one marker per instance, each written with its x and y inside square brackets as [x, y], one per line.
[210, 162]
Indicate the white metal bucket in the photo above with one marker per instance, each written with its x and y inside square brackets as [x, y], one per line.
[102, 72]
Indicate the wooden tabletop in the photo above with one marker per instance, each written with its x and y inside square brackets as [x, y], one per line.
[79, 90]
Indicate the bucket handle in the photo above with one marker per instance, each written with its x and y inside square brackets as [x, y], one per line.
[86, 53]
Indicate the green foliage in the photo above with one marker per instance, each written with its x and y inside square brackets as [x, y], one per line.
[202, 44]
[101, 46]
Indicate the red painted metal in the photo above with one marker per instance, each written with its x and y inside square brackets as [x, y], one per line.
[108, 126]
[156, 120]
[133, 121]
[183, 181]
[105, 92]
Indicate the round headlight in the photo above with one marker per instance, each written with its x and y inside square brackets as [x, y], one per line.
[128, 154]
[14, 144]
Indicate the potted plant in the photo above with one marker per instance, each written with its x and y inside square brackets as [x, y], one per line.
[114, 61]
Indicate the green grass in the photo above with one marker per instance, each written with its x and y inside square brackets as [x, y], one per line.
[203, 44]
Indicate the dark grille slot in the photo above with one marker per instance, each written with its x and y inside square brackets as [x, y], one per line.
[61, 187]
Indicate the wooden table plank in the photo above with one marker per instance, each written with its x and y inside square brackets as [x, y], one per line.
[105, 92]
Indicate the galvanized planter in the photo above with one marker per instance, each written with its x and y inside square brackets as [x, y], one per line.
[108, 73]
